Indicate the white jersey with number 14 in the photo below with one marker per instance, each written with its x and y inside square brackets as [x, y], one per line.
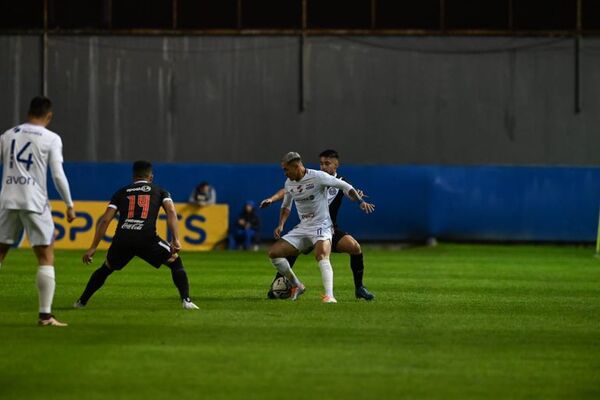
[26, 151]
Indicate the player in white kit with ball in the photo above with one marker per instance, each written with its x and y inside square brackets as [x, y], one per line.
[308, 189]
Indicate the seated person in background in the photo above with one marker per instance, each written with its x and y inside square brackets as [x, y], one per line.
[245, 230]
[203, 195]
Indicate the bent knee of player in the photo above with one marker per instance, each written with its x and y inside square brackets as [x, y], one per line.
[281, 248]
[321, 257]
[349, 245]
[44, 254]
[274, 252]
[355, 248]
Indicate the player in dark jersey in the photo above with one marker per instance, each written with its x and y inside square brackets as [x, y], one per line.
[138, 205]
[342, 242]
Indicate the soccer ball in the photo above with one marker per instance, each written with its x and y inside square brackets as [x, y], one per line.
[281, 288]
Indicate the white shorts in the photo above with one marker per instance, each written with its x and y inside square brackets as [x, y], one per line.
[38, 226]
[303, 237]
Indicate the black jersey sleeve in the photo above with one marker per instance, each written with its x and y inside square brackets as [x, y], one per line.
[114, 200]
[164, 194]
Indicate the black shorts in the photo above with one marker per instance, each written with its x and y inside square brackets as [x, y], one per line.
[338, 234]
[154, 251]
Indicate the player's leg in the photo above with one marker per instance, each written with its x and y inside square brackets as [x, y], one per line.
[46, 284]
[157, 253]
[277, 253]
[95, 282]
[10, 231]
[291, 261]
[3, 251]
[322, 253]
[347, 244]
[40, 231]
[119, 254]
[180, 279]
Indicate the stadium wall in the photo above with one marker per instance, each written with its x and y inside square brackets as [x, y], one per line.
[457, 203]
[248, 99]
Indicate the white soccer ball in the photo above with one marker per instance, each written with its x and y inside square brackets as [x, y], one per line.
[281, 288]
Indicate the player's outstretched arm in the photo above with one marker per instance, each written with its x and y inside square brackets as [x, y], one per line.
[360, 193]
[101, 227]
[276, 197]
[368, 208]
[284, 213]
[173, 225]
[353, 194]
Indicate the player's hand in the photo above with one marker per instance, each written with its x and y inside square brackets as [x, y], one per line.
[368, 208]
[70, 214]
[175, 246]
[277, 232]
[265, 203]
[88, 256]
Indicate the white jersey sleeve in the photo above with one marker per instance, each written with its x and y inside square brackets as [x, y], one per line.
[55, 161]
[61, 183]
[332, 181]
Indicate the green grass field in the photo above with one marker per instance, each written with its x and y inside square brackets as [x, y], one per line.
[450, 322]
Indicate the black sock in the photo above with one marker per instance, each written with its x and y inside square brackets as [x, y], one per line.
[180, 278]
[358, 268]
[291, 260]
[96, 281]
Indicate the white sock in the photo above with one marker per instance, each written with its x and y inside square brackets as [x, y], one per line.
[327, 276]
[283, 266]
[45, 284]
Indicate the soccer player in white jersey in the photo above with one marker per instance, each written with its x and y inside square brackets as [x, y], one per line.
[342, 242]
[308, 189]
[26, 151]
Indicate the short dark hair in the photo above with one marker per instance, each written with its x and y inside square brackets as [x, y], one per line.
[39, 107]
[142, 168]
[329, 153]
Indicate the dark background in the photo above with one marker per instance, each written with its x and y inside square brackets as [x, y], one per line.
[434, 15]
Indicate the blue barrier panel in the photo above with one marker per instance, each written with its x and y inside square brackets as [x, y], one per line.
[516, 203]
[413, 202]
